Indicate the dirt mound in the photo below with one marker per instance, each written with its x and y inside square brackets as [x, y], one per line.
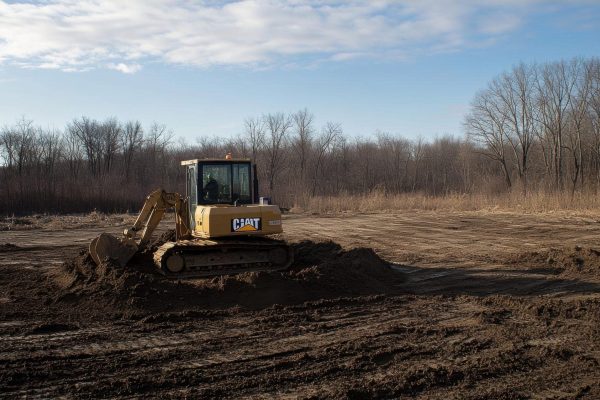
[321, 270]
[571, 261]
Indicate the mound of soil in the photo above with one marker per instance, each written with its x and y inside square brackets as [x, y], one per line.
[571, 261]
[321, 270]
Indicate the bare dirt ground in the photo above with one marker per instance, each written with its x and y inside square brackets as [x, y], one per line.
[469, 305]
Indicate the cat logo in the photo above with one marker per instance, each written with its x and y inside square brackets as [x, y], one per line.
[245, 224]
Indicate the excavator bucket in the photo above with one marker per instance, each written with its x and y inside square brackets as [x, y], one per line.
[106, 246]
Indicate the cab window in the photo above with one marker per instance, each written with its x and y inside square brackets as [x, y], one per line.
[241, 183]
[216, 184]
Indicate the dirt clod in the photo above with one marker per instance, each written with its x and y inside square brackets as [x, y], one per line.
[6, 247]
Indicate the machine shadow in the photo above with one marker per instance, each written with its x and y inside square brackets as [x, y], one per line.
[457, 281]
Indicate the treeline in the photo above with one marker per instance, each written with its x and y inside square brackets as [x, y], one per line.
[88, 165]
[535, 127]
[541, 125]
[111, 165]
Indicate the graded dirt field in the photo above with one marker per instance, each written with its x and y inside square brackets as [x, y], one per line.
[423, 304]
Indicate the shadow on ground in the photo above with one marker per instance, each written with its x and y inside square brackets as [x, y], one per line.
[483, 282]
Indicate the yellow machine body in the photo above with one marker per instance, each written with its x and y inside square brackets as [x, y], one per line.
[229, 221]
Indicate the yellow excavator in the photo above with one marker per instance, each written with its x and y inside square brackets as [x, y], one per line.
[221, 225]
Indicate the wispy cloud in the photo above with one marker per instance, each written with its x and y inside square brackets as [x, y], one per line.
[76, 35]
[125, 68]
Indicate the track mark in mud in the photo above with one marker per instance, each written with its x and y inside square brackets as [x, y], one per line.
[52, 328]
[377, 346]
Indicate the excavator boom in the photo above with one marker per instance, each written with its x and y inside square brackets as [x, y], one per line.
[135, 238]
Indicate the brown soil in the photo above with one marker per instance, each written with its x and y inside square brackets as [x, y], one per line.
[475, 315]
[568, 262]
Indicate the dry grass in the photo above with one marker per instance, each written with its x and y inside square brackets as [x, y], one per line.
[538, 202]
[69, 221]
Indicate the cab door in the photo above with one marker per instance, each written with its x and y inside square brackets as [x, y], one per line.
[192, 193]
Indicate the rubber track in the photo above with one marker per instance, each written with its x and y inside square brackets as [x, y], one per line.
[208, 245]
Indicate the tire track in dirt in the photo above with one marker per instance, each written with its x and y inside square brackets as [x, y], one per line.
[349, 340]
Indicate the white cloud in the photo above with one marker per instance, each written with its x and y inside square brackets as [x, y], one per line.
[125, 68]
[122, 35]
[499, 23]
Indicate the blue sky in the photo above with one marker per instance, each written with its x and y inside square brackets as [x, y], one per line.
[403, 67]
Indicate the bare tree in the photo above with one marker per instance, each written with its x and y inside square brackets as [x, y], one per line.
[594, 114]
[555, 85]
[25, 135]
[73, 152]
[159, 137]
[396, 156]
[51, 152]
[131, 142]
[111, 137]
[86, 131]
[486, 126]
[514, 100]
[278, 126]
[330, 132]
[254, 128]
[8, 141]
[302, 143]
[416, 153]
[577, 117]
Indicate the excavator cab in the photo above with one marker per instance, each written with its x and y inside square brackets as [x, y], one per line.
[223, 182]
[223, 197]
[219, 182]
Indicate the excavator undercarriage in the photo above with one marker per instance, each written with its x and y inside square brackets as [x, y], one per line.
[207, 258]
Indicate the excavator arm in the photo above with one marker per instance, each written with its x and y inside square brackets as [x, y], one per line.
[135, 238]
[152, 213]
